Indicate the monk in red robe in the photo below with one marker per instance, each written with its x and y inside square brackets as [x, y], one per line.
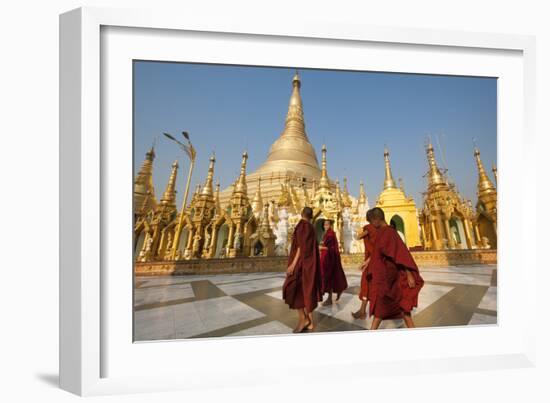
[369, 237]
[332, 273]
[302, 286]
[394, 281]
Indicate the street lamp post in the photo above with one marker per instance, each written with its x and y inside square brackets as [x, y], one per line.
[190, 151]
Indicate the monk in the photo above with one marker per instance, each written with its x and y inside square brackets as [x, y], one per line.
[369, 237]
[302, 286]
[394, 281]
[332, 273]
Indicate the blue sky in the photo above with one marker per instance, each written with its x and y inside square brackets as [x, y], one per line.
[228, 109]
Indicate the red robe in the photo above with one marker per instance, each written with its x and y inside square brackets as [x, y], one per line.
[302, 289]
[332, 273]
[389, 294]
[368, 240]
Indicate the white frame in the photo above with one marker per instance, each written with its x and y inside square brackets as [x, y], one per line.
[81, 307]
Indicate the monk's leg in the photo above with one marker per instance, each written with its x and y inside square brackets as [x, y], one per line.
[362, 312]
[408, 319]
[310, 325]
[302, 321]
[375, 323]
[328, 301]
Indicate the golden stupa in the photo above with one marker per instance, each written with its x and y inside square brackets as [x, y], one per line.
[400, 210]
[144, 191]
[447, 221]
[486, 203]
[291, 159]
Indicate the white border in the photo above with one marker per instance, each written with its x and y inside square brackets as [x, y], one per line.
[130, 367]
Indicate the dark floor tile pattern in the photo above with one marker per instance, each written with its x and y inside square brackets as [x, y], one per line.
[454, 308]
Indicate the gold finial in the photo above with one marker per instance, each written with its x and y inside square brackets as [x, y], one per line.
[241, 182]
[150, 155]
[362, 194]
[324, 182]
[169, 197]
[484, 184]
[295, 125]
[495, 174]
[435, 178]
[296, 79]
[207, 189]
[389, 183]
[257, 202]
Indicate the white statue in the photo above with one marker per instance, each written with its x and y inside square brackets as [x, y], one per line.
[237, 242]
[207, 240]
[281, 233]
[145, 253]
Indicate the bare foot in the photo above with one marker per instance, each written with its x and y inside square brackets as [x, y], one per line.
[310, 326]
[301, 326]
[338, 296]
[327, 302]
[359, 315]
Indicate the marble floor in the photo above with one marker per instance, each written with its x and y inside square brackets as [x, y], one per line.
[197, 306]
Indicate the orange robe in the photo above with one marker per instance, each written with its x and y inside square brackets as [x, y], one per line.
[368, 240]
[388, 291]
[302, 289]
[332, 273]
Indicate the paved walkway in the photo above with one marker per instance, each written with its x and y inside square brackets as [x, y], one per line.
[250, 304]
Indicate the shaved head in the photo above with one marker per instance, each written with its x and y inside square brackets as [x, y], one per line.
[307, 213]
[377, 213]
[377, 217]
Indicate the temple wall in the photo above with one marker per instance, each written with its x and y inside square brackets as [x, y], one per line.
[279, 263]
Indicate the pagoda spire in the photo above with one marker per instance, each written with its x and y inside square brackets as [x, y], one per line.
[207, 189]
[169, 197]
[144, 190]
[435, 178]
[338, 194]
[217, 198]
[294, 123]
[240, 186]
[484, 184]
[345, 194]
[389, 183]
[324, 183]
[257, 203]
[362, 194]
[495, 174]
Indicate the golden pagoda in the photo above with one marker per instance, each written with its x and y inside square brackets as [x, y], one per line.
[144, 191]
[152, 235]
[291, 159]
[486, 204]
[447, 221]
[399, 209]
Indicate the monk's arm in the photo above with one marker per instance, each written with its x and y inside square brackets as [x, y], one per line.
[365, 263]
[292, 266]
[362, 234]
